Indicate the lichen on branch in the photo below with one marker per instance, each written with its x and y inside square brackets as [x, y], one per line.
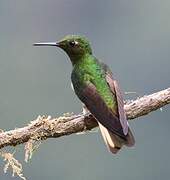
[46, 127]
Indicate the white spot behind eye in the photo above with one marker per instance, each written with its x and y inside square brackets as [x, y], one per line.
[76, 42]
[73, 43]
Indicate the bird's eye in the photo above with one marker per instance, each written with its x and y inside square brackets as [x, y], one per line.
[73, 43]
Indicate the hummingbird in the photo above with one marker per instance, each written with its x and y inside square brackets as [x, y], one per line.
[98, 90]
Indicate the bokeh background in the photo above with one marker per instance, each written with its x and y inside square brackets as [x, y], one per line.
[133, 37]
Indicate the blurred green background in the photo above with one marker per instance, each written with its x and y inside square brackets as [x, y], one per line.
[133, 37]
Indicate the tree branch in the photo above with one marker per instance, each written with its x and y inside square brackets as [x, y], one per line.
[46, 127]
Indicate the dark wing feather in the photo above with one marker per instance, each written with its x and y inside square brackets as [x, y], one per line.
[96, 105]
[117, 92]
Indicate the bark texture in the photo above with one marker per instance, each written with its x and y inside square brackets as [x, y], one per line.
[46, 127]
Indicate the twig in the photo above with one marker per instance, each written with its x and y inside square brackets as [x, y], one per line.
[46, 127]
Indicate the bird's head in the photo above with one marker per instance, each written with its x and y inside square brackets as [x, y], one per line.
[75, 46]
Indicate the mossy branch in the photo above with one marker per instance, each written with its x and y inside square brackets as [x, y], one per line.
[46, 127]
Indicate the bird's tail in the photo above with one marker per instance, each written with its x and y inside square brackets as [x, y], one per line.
[114, 142]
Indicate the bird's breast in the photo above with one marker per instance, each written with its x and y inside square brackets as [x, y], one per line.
[81, 79]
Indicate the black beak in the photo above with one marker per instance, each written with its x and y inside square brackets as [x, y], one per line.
[47, 44]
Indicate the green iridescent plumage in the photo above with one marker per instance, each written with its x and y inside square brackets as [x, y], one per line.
[87, 67]
[95, 86]
[90, 70]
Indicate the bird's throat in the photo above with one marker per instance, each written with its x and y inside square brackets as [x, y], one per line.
[79, 58]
